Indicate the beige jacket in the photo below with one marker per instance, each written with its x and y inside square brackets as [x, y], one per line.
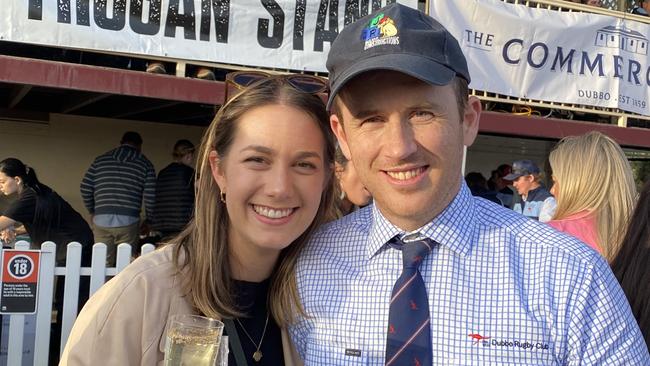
[125, 322]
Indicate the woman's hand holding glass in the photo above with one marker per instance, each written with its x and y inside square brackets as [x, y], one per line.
[192, 340]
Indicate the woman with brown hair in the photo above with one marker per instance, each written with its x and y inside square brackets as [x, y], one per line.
[263, 186]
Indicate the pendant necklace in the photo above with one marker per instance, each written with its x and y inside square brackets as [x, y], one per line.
[257, 355]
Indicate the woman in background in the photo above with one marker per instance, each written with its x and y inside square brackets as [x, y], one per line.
[595, 191]
[45, 215]
[351, 193]
[631, 263]
[263, 185]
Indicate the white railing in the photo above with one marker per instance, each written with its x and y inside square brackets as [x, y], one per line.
[72, 273]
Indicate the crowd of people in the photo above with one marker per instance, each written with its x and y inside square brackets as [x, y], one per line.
[591, 198]
[343, 233]
[113, 190]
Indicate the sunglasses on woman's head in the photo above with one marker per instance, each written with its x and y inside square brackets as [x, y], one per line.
[310, 84]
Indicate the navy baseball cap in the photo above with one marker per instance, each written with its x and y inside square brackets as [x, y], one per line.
[521, 168]
[396, 38]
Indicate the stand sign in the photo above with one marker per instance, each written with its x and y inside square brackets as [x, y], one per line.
[19, 286]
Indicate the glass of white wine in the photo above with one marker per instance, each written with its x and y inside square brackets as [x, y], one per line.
[192, 340]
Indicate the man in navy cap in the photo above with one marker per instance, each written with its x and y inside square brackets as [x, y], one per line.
[428, 274]
[537, 202]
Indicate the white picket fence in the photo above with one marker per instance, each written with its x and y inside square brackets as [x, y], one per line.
[72, 273]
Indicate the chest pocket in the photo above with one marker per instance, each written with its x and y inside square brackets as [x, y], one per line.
[321, 353]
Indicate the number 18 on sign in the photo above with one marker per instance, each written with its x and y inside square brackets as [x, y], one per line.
[19, 287]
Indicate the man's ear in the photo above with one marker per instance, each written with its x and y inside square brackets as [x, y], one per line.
[216, 166]
[471, 117]
[337, 127]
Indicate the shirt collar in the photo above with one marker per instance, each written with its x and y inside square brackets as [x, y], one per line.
[453, 228]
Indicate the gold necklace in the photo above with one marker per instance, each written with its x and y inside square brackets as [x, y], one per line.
[257, 355]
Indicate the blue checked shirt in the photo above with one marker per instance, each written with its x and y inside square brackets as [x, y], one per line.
[503, 290]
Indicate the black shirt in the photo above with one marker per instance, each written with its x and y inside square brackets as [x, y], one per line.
[62, 225]
[252, 300]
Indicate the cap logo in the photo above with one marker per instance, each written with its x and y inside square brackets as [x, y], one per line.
[381, 31]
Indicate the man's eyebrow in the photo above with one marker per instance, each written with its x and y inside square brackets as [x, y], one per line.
[427, 104]
[359, 114]
[435, 104]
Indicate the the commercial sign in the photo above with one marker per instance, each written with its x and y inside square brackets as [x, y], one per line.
[543, 54]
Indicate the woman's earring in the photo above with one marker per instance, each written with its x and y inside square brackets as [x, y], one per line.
[222, 196]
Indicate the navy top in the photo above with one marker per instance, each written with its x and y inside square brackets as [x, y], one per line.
[252, 300]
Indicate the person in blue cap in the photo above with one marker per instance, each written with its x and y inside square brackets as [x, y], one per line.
[537, 202]
[428, 274]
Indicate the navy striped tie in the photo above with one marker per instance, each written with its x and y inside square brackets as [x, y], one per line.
[409, 332]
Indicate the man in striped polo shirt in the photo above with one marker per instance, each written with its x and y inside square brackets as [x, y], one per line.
[113, 189]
